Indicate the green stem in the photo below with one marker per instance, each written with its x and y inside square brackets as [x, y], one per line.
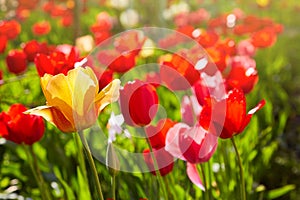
[45, 193]
[209, 179]
[242, 180]
[158, 175]
[81, 159]
[92, 164]
[114, 186]
[204, 182]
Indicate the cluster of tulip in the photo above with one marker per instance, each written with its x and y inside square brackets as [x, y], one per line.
[219, 70]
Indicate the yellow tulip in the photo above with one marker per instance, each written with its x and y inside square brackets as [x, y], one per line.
[74, 101]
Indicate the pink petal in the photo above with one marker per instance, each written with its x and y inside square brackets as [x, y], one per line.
[172, 140]
[187, 111]
[193, 175]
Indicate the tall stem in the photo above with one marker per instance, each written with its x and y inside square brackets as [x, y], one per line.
[45, 193]
[92, 164]
[242, 180]
[204, 182]
[114, 186]
[158, 175]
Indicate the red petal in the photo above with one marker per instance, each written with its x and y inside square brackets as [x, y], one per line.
[250, 113]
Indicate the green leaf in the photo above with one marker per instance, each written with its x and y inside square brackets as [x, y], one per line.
[84, 191]
[273, 194]
[67, 188]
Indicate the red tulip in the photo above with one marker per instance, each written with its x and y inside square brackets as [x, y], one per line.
[264, 38]
[117, 62]
[105, 78]
[157, 134]
[208, 38]
[55, 63]
[191, 144]
[138, 101]
[11, 29]
[16, 61]
[236, 118]
[164, 160]
[19, 127]
[131, 41]
[41, 28]
[177, 72]
[241, 77]
[32, 48]
[3, 43]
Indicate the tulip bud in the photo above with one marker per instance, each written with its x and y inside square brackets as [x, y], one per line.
[16, 61]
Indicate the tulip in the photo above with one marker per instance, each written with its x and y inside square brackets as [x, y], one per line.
[16, 61]
[32, 48]
[243, 78]
[41, 28]
[138, 101]
[193, 145]
[11, 29]
[73, 100]
[236, 118]
[157, 134]
[13, 122]
[3, 43]
[177, 72]
[57, 62]
[264, 38]
[164, 160]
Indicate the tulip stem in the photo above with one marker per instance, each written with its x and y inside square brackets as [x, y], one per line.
[92, 164]
[114, 186]
[157, 172]
[81, 159]
[204, 182]
[242, 180]
[45, 193]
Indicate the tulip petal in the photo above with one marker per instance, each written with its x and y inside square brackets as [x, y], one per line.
[193, 175]
[172, 140]
[58, 93]
[250, 113]
[54, 116]
[108, 95]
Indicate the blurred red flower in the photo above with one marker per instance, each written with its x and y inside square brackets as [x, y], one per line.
[1, 77]
[264, 38]
[3, 43]
[41, 28]
[19, 127]
[236, 118]
[32, 48]
[138, 102]
[116, 61]
[11, 29]
[16, 61]
[55, 63]
[177, 72]
[241, 77]
[207, 38]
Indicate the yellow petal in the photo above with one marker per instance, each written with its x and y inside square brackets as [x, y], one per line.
[108, 94]
[54, 116]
